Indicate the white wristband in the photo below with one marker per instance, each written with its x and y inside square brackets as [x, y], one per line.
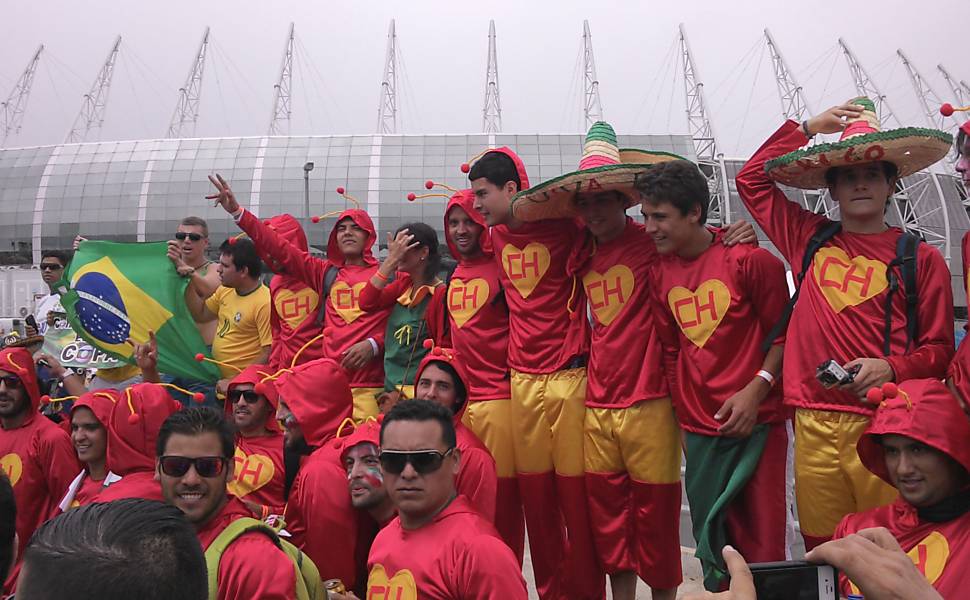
[238, 214]
[766, 376]
[373, 346]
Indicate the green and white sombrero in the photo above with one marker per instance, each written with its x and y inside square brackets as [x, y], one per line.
[604, 167]
[911, 149]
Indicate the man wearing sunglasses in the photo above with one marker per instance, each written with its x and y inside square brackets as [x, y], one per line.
[439, 547]
[36, 455]
[52, 264]
[260, 475]
[194, 465]
[188, 253]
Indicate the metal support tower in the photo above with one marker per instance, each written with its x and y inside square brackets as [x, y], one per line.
[12, 109]
[959, 93]
[592, 107]
[279, 123]
[920, 204]
[387, 109]
[187, 109]
[492, 111]
[709, 159]
[93, 104]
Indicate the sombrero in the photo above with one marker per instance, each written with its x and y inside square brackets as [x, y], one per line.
[604, 167]
[909, 148]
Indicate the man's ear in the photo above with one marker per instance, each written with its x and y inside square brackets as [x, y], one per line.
[456, 453]
[511, 188]
[158, 470]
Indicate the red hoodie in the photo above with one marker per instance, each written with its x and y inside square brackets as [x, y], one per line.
[478, 311]
[132, 433]
[923, 410]
[347, 322]
[37, 457]
[100, 403]
[260, 474]
[545, 333]
[477, 479]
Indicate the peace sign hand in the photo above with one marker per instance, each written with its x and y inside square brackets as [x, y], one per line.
[225, 197]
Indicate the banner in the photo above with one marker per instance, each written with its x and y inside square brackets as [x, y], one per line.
[63, 344]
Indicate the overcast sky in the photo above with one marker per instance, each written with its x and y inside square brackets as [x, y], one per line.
[341, 49]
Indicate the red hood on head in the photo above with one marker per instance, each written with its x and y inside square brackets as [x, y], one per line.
[519, 165]
[368, 432]
[924, 410]
[254, 375]
[133, 427]
[364, 222]
[465, 199]
[289, 229]
[101, 403]
[19, 362]
[450, 356]
[319, 396]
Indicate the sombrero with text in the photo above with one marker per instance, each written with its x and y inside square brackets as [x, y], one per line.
[604, 167]
[911, 149]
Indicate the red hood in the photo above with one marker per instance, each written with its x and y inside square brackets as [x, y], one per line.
[368, 432]
[254, 375]
[364, 222]
[318, 395]
[466, 200]
[290, 230]
[450, 356]
[101, 403]
[19, 362]
[925, 411]
[133, 427]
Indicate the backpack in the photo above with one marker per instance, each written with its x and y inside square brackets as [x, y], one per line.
[906, 247]
[308, 585]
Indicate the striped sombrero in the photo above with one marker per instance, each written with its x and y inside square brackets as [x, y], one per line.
[911, 149]
[604, 167]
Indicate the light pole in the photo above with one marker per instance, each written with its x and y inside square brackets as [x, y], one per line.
[306, 198]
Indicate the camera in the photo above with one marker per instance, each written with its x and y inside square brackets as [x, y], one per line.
[831, 374]
[794, 580]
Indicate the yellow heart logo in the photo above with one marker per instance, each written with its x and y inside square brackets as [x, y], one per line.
[346, 300]
[525, 267]
[466, 298]
[399, 587]
[13, 467]
[930, 557]
[295, 306]
[252, 472]
[847, 281]
[699, 313]
[608, 293]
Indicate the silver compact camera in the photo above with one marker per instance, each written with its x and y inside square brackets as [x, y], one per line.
[831, 374]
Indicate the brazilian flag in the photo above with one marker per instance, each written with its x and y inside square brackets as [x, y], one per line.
[113, 292]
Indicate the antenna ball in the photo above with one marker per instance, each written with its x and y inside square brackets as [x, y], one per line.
[199, 357]
[465, 167]
[199, 397]
[428, 184]
[341, 190]
[315, 219]
[411, 197]
[946, 110]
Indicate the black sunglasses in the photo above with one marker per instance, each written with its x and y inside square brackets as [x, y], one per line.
[250, 396]
[423, 461]
[205, 466]
[12, 382]
[192, 236]
[50, 267]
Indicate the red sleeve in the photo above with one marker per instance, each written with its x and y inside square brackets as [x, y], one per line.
[965, 252]
[764, 278]
[437, 316]
[56, 452]
[297, 263]
[278, 346]
[786, 223]
[479, 482]
[934, 342]
[253, 567]
[487, 570]
[374, 300]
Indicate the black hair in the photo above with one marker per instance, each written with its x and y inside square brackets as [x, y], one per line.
[461, 392]
[130, 548]
[422, 410]
[678, 182]
[497, 168]
[243, 255]
[426, 237]
[890, 170]
[961, 141]
[197, 420]
[60, 255]
[8, 524]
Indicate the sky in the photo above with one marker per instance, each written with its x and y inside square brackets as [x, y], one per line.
[340, 51]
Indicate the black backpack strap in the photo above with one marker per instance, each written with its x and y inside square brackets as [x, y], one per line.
[826, 231]
[329, 276]
[905, 259]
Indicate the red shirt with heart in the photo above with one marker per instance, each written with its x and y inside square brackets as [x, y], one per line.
[840, 314]
[625, 358]
[712, 314]
[260, 475]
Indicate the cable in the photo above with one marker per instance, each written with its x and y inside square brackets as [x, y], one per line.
[222, 100]
[747, 110]
[412, 108]
[322, 97]
[569, 99]
[656, 78]
[130, 79]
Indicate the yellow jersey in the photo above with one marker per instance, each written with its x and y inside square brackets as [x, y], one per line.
[243, 326]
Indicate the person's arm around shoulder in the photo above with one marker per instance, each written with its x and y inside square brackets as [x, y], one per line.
[254, 567]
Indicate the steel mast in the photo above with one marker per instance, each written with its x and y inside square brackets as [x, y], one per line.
[387, 109]
[12, 109]
[592, 107]
[187, 108]
[959, 93]
[93, 104]
[279, 123]
[492, 110]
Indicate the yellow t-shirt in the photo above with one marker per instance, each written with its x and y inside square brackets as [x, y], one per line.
[243, 326]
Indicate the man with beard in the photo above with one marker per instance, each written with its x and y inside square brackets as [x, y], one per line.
[35, 454]
[194, 465]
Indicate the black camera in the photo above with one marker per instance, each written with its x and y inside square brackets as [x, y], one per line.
[831, 374]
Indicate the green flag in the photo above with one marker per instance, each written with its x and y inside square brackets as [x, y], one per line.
[113, 291]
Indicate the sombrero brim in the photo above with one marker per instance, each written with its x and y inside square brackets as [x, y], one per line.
[553, 199]
[911, 149]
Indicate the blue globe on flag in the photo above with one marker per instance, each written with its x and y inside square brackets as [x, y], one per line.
[101, 309]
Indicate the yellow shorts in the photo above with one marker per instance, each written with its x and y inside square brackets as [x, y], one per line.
[491, 422]
[365, 402]
[547, 413]
[642, 440]
[830, 480]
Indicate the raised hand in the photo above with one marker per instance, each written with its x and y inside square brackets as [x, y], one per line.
[398, 246]
[225, 197]
[834, 119]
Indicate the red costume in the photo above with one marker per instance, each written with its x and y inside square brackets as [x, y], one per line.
[458, 556]
[252, 566]
[132, 432]
[260, 474]
[84, 489]
[939, 544]
[37, 457]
